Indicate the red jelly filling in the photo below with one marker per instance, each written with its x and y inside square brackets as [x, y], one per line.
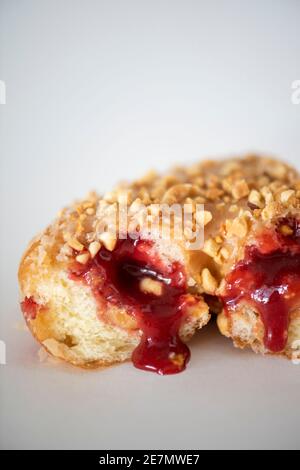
[269, 279]
[29, 308]
[115, 276]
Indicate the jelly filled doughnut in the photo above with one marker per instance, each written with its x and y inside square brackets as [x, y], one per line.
[94, 296]
[94, 299]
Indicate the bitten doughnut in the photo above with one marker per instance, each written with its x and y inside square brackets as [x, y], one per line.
[94, 296]
[95, 299]
[259, 259]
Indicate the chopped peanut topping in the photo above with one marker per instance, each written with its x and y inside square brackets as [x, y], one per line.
[211, 247]
[267, 194]
[223, 187]
[94, 247]
[75, 244]
[90, 211]
[210, 284]
[277, 170]
[239, 227]
[214, 194]
[108, 241]
[256, 198]
[203, 217]
[234, 208]
[191, 282]
[225, 253]
[150, 286]
[83, 258]
[136, 206]
[177, 193]
[269, 212]
[240, 190]
[286, 196]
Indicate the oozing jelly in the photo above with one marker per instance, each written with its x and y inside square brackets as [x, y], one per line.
[115, 277]
[269, 279]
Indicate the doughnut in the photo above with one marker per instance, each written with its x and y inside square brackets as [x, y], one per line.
[134, 273]
[94, 299]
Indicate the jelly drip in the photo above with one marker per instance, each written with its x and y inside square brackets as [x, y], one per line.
[115, 276]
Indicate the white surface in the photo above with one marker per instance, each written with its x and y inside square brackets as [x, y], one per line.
[102, 90]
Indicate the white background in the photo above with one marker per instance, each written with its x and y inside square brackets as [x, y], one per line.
[100, 90]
